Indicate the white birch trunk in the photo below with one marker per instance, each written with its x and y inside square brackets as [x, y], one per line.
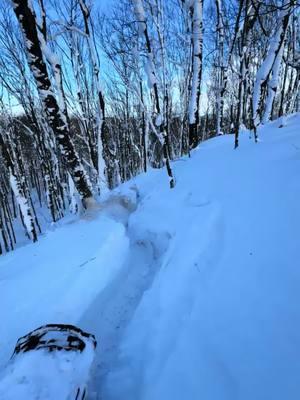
[263, 73]
[220, 66]
[272, 86]
[102, 167]
[197, 39]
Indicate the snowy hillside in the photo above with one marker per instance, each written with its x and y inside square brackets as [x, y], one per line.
[192, 293]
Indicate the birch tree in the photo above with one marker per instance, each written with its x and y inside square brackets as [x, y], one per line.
[197, 49]
[267, 74]
[250, 16]
[53, 112]
[100, 124]
[220, 66]
[17, 187]
[153, 84]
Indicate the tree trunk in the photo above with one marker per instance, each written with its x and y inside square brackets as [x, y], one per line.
[197, 44]
[271, 62]
[53, 113]
[152, 80]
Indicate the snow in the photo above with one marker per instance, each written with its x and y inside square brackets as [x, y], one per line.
[221, 318]
[272, 86]
[150, 71]
[191, 292]
[158, 120]
[27, 375]
[57, 280]
[140, 15]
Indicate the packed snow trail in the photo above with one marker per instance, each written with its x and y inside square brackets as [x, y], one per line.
[192, 293]
[114, 308]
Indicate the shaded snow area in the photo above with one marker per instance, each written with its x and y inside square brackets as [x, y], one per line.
[192, 293]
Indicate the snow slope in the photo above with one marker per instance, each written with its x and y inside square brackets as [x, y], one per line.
[192, 293]
[222, 318]
[55, 280]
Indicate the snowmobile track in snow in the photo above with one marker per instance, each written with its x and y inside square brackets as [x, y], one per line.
[114, 308]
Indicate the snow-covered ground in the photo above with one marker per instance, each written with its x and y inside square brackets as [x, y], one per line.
[192, 293]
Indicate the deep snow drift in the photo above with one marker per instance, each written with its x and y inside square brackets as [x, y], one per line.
[192, 293]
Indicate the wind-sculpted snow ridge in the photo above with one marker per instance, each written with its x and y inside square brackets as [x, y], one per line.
[192, 293]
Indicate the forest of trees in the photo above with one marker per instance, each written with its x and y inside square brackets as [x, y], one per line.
[90, 98]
